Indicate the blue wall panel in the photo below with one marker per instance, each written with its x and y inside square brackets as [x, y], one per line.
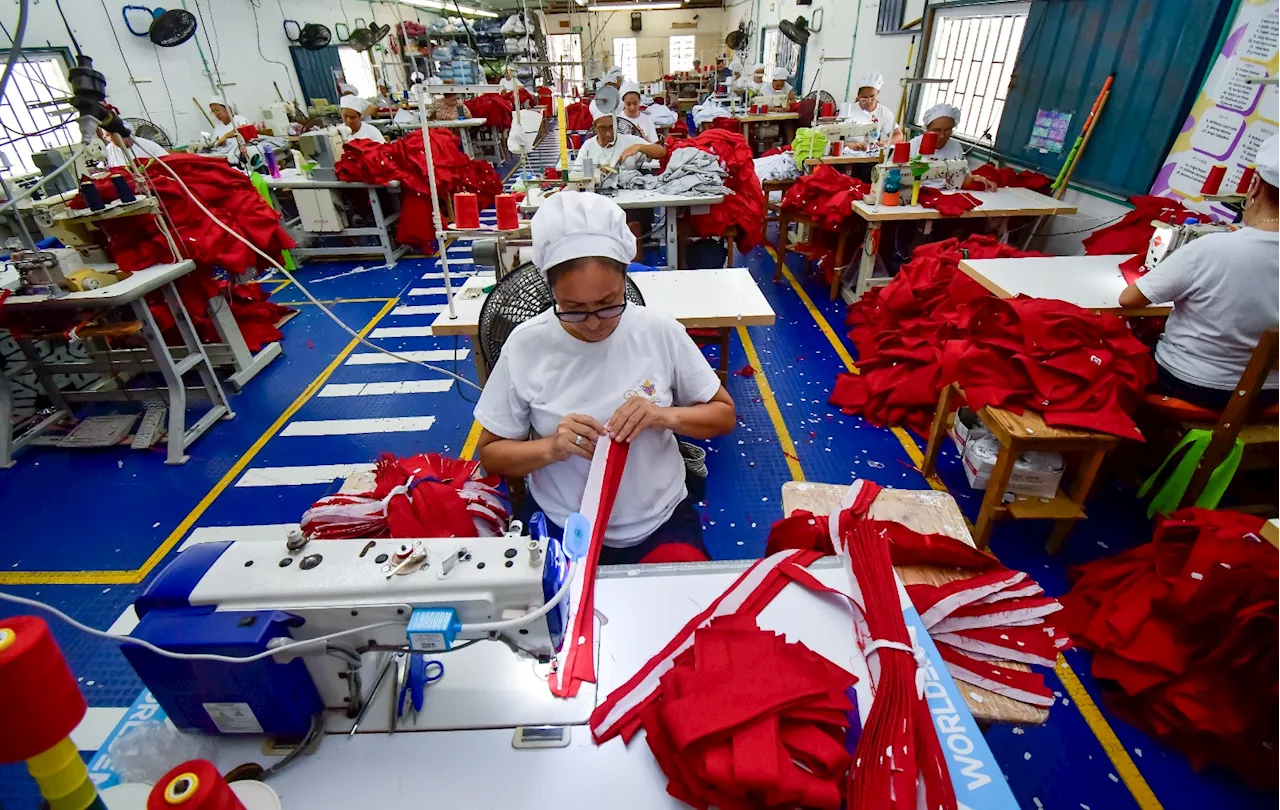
[1157, 49]
[315, 71]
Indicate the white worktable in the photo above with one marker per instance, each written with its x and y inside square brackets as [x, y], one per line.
[1091, 282]
[722, 299]
[670, 204]
[295, 180]
[996, 205]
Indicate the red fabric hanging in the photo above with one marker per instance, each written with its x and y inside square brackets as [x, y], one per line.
[745, 208]
[577, 116]
[1008, 177]
[826, 196]
[948, 203]
[496, 109]
[1183, 631]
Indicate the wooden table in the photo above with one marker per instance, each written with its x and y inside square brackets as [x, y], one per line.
[1018, 433]
[998, 206]
[721, 299]
[787, 121]
[1090, 282]
[845, 159]
[639, 198]
[927, 512]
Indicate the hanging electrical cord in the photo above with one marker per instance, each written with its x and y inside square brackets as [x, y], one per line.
[173, 109]
[124, 59]
[254, 5]
[67, 25]
[16, 50]
[216, 73]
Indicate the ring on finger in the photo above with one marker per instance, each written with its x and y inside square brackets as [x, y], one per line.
[578, 440]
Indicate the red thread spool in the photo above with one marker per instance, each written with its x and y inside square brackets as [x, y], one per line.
[928, 143]
[193, 785]
[836, 148]
[248, 132]
[1214, 181]
[902, 151]
[508, 216]
[466, 210]
[575, 141]
[44, 704]
[1245, 179]
[551, 173]
[828, 109]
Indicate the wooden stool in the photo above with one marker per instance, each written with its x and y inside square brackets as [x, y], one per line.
[1016, 435]
[785, 218]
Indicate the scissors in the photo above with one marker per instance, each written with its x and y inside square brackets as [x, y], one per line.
[422, 672]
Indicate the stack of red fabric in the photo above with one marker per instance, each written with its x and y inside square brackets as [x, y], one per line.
[1183, 631]
[745, 208]
[826, 196]
[933, 325]
[1132, 234]
[496, 109]
[405, 160]
[421, 496]
[1008, 177]
[577, 116]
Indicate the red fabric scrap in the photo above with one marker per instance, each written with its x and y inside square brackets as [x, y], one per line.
[800, 530]
[826, 196]
[948, 203]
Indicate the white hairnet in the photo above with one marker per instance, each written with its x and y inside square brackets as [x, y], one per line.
[1268, 161]
[872, 79]
[708, 112]
[354, 103]
[759, 67]
[348, 89]
[577, 224]
[780, 73]
[629, 87]
[597, 113]
[941, 111]
[222, 101]
[610, 75]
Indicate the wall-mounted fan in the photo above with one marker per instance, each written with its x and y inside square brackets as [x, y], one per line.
[737, 39]
[167, 28]
[362, 39]
[311, 37]
[797, 32]
[143, 128]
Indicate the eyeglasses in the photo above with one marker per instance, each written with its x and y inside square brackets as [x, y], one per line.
[604, 313]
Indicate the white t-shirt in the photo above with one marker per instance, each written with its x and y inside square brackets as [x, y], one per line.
[646, 125]
[605, 155]
[951, 150]
[367, 131]
[1224, 289]
[237, 121]
[544, 374]
[508, 85]
[882, 117]
[142, 148]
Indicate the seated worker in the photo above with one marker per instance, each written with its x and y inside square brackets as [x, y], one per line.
[595, 367]
[868, 110]
[755, 84]
[509, 83]
[228, 121]
[780, 88]
[631, 111]
[354, 126]
[608, 151]
[383, 100]
[447, 108]
[121, 151]
[733, 82]
[941, 119]
[1224, 288]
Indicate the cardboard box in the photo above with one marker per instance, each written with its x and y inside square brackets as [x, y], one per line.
[1036, 474]
[967, 425]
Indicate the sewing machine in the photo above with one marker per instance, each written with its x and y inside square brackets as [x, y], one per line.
[48, 162]
[324, 147]
[55, 272]
[276, 117]
[913, 172]
[248, 597]
[1166, 238]
[847, 131]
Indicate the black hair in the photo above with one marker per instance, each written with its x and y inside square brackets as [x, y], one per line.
[556, 272]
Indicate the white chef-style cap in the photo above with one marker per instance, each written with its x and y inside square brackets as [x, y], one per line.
[1268, 161]
[941, 111]
[348, 89]
[222, 101]
[578, 224]
[354, 103]
[872, 79]
[780, 73]
[611, 74]
[629, 87]
[759, 66]
[597, 113]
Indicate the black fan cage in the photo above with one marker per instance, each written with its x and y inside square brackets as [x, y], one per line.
[314, 36]
[145, 129]
[173, 27]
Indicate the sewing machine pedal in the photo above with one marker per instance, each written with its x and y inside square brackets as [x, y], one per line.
[148, 433]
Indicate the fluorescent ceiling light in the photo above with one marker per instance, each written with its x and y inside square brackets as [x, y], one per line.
[636, 7]
[438, 5]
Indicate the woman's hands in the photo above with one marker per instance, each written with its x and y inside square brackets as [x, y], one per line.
[634, 415]
[576, 435]
[987, 183]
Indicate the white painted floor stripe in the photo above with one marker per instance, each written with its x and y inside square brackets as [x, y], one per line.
[427, 291]
[401, 332]
[124, 625]
[274, 532]
[98, 722]
[356, 427]
[424, 309]
[295, 476]
[374, 389]
[440, 275]
[427, 356]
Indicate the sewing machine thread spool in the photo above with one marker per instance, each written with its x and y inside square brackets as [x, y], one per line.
[91, 196]
[575, 141]
[836, 148]
[508, 216]
[466, 210]
[123, 191]
[1245, 179]
[828, 109]
[928, 143]
[1214, 181]
[902, 151]
[193, 785]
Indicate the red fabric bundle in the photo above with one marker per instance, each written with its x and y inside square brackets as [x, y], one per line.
[745, 208]
[800, 530]
[933, 325]
[826, 196]
[1132, 233]
[948, 203]
[405, 159]
[1008, 177]
[494, 108]
[577, 116]
[1183, 631]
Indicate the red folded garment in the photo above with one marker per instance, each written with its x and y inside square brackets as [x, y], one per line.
[826, 196]
[577, 116]
[496, 109]
[948, 203]
[1009, 177]
[744, 210]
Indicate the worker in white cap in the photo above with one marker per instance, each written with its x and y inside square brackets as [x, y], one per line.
[228, 120]
[780, 87]
[941, 120]
[354, 126]
[1224, 289]
[608, 149]
[509, 84]
[867, 109]
[448, 107]
[755, 84]
[592, 368]
[631, 112]
[734, 80]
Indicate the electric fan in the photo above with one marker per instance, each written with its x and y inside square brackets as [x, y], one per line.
[143, 128]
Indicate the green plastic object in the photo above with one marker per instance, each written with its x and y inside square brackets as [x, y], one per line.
[1174, 486]
[808, 143]
[260, 183]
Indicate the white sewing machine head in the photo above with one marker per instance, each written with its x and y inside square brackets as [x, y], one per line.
[846, 131]
[1166, 238]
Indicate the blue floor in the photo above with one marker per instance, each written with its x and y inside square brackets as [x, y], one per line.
[82, 531]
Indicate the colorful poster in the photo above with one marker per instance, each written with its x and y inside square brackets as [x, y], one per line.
[1049, 132]
[1231, 117]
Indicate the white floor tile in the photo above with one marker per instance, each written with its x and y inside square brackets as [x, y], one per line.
[358, 427]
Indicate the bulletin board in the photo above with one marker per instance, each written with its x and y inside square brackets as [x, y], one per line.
[1230, 117]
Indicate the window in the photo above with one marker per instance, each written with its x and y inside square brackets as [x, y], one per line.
[682, 49]
[357, 70]
[975, 47]
[37, 79]
[624, 56]
[780, 52]
[565, 48]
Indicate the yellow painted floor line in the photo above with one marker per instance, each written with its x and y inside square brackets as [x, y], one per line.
[281, 286]
[771, 405]
[1115, 751]
[135, 576]
[473, 438]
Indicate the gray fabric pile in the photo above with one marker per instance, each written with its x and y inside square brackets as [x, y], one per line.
[690, 171]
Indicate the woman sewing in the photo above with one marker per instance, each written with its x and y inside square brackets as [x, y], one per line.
[595, 368]
[941, 120]
[868, 110]
[353, 110]
[228, 120]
